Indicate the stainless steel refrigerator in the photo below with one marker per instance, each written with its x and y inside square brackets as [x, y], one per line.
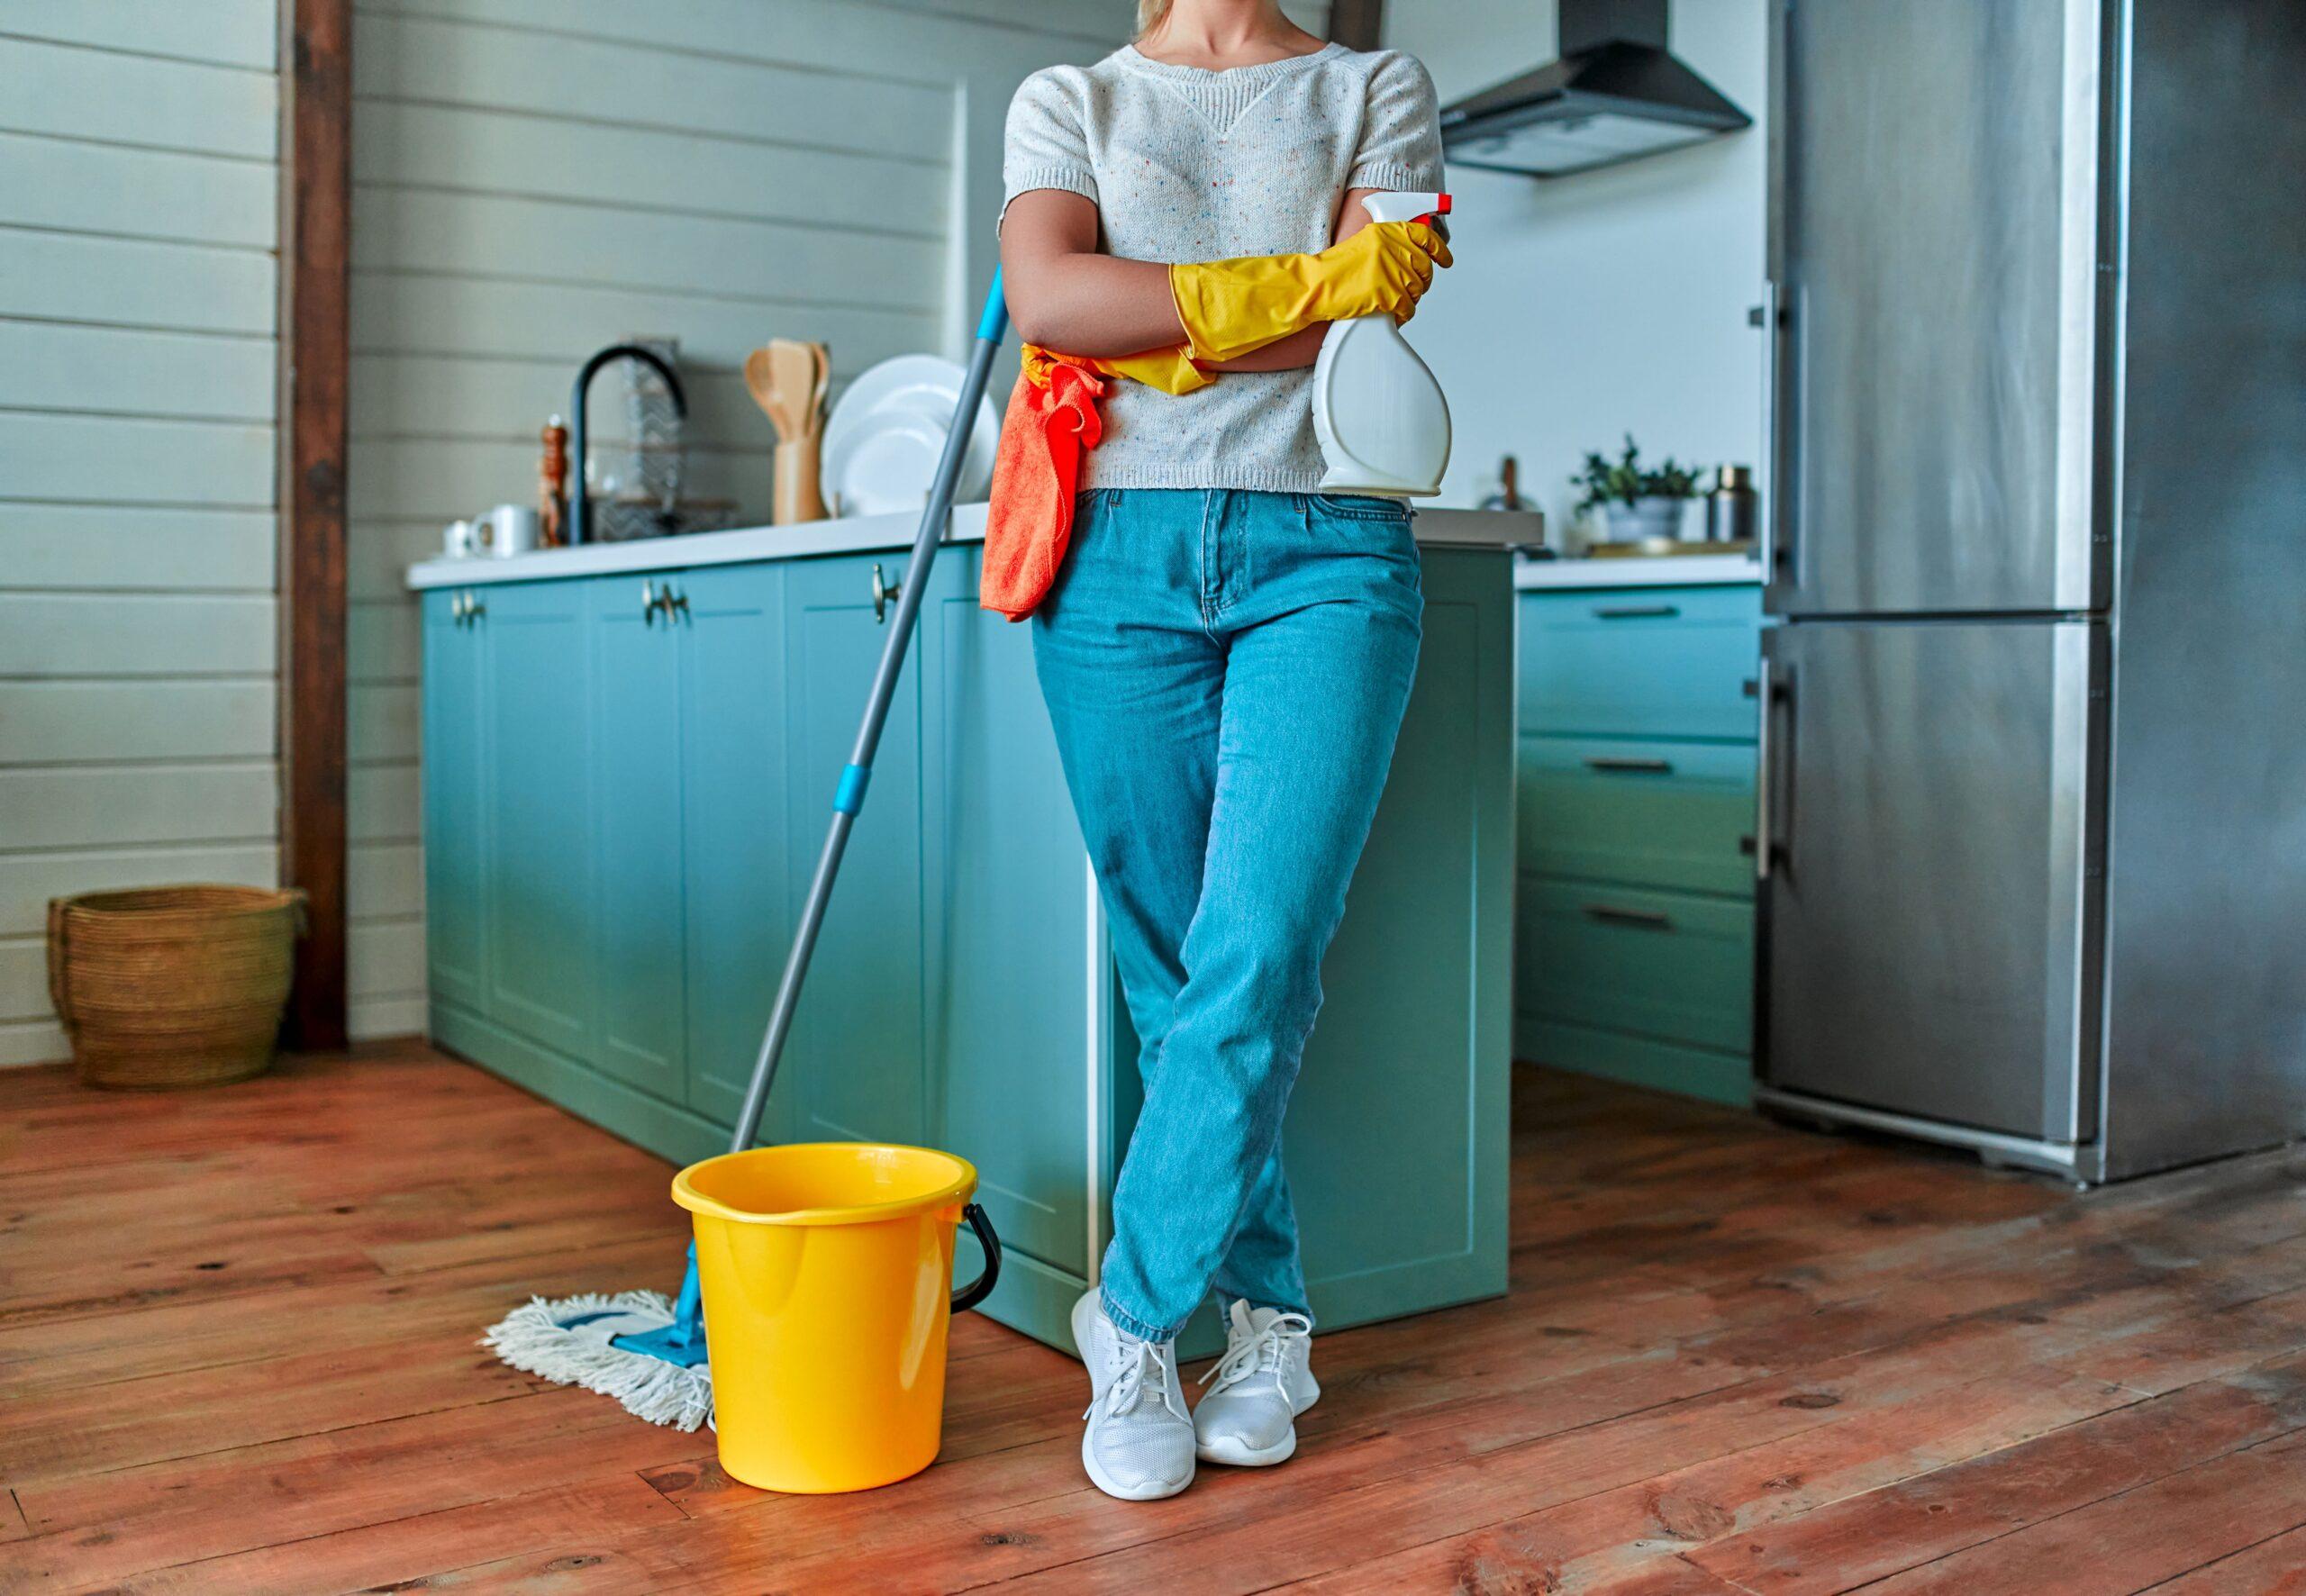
[2032, 837]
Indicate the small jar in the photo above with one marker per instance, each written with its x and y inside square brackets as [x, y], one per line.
[1732, 509]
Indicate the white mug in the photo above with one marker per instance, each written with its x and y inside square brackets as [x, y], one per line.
[506, 530]
[456, 541]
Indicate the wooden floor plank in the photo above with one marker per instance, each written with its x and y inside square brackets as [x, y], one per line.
[1735, 1357]
[184, 1338]
[1596, 1541]
[104, 1526]
[294, 1393]
[1921, 1522]
[2136, 1541]
[401, 1551]
[2274, 1566]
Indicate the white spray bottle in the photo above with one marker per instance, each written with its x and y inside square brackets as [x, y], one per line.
[1383, 421]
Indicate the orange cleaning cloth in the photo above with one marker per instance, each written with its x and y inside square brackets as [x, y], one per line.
[1050, 423]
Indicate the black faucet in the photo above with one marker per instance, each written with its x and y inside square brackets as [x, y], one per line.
[579, 518]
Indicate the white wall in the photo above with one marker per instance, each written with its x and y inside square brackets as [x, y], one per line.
[138, 196]
[534, 178]
[1587, 306]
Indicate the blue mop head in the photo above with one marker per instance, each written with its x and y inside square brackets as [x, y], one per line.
[642, 1348]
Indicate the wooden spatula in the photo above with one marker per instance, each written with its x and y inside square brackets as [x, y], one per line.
[787, 380]
[761, 380]
[822, 358]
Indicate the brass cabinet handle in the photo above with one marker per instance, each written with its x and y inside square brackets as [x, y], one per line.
[474, 609]
[1615, 765]
[883, 593]
[456, 606]
[675, 603]
[1648, 920]
[649, 600]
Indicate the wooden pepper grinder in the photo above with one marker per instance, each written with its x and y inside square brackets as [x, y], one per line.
[552, 487]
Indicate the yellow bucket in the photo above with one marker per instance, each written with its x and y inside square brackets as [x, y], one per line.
[825, 1267]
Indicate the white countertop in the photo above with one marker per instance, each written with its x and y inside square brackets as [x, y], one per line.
[1463, 529]
[1669, 570]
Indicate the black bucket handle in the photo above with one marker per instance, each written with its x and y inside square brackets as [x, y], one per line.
[979, 1289]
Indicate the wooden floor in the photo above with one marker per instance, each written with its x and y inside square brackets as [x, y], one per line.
[237, 1354]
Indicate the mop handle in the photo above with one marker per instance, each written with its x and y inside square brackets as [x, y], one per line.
[848, 797]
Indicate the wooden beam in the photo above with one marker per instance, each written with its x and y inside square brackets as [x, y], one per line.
[315, 236]
[1358, 24]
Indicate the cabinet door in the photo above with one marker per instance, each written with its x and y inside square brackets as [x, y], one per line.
[1009, 927]
[733, 765]
[540, 829]
[856, 1067]
[455, 698]
[636, 738]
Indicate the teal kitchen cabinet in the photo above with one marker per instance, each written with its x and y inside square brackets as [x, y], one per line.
[1634, 938]
[646, 798]
[735, 823]
[858, 1061]
[659, 885]
[1396, 1130]
[638, 905]
[1018, 993]
[455, 708]
[537, 821]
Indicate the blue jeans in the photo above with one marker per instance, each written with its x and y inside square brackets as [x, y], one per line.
[1226, 672]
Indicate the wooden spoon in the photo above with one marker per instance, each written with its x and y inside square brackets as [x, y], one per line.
[822, 357]
[795, 366]
[761, 380]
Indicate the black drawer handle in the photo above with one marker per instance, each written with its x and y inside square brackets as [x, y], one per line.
[1620, 767]
[1648, 919]
[1636, 612]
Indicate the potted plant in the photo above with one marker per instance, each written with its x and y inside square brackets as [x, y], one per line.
[1635, 501]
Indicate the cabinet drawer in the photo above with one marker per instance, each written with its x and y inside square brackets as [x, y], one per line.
[1669, 814]
[1658, 964]
[1649, 662]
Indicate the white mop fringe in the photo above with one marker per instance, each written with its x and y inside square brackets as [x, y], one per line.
[537, 1340]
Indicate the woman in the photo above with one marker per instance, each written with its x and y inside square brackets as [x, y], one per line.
[1226, 653]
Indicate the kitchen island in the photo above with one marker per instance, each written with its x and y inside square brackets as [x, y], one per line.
[630, 753]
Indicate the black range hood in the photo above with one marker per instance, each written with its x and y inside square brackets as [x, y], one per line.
[1616, 93]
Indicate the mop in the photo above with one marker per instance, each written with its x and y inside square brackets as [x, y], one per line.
[638, 1347]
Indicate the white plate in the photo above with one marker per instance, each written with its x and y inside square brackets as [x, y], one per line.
[883, 438]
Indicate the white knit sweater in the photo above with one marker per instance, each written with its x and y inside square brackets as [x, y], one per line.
[1185, 164]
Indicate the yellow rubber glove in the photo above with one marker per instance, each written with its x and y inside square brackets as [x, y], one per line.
[1232, 307]
[1170, 370]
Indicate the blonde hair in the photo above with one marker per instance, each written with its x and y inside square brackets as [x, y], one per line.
[1151, 14]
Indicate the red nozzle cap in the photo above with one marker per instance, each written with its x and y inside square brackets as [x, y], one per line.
[1443, 208]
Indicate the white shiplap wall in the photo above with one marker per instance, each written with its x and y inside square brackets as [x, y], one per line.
[534, 178]
[138, 196]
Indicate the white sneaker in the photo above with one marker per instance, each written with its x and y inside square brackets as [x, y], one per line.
[1140, 1443]
[1264, 1381]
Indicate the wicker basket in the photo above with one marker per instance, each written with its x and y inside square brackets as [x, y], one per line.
[172, 985]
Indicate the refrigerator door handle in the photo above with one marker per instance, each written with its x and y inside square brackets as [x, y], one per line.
[1772, 372]
[1763, 844]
